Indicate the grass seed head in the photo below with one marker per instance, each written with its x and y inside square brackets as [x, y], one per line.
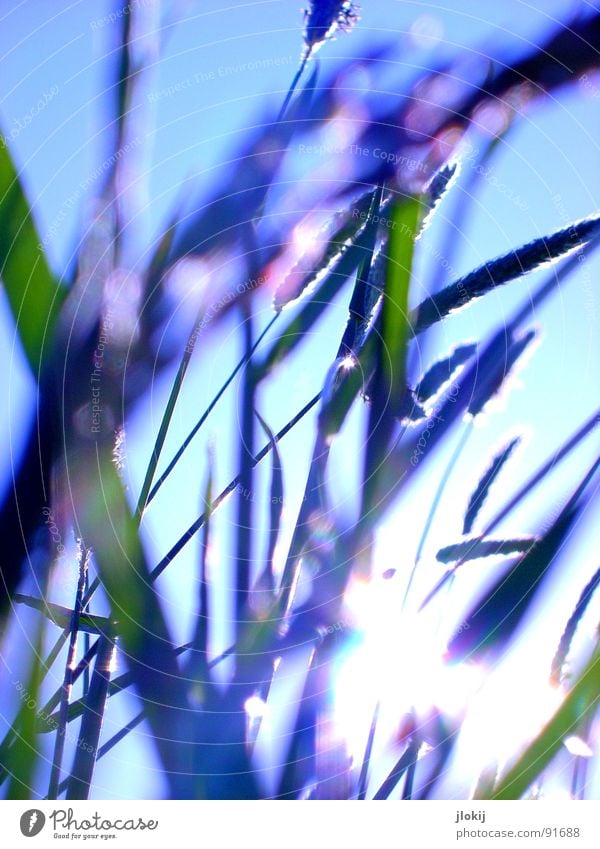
[324, 17]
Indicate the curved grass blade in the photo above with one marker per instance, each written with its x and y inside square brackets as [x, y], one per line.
[558, 662]
[581, 700]
[502, 270]
[473, 549]
[34, 296]
[482, 489]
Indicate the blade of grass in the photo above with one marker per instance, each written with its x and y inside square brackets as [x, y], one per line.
[231, 487]
[363, 778]
[243, 553]
[582, 698]
[434, 506]
[33, 294]
[527, 487]
[151, 472]
[80, 779]
[408, 757]
[389, 382]
[22, 758]
[63, 616]
[59, 743]
[107, 525]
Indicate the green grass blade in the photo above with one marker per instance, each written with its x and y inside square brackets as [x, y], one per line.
[62, 616]
[389, 382]
[34, 296]
[406, 218]
[20, 760]
[581, 700]
[107, 525]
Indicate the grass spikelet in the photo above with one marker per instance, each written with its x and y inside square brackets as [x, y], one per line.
[482, 489]
[324, 18]
[564, 645]
[502, 270]
[495, 379]
[442, 371]
[338, 235]
[473, 549]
